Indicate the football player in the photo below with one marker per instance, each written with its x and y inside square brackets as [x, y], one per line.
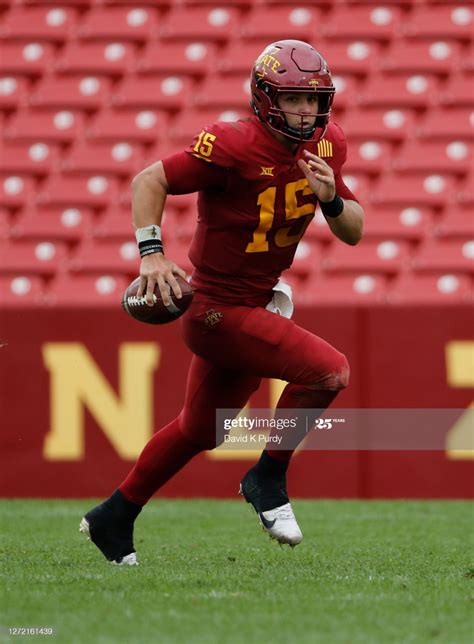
[259, 181]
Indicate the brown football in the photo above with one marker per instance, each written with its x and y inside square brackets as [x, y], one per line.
[158, 313]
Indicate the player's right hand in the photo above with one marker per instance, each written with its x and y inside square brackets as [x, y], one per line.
[158, 269]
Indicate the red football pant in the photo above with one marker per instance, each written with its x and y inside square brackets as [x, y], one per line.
[231, 357]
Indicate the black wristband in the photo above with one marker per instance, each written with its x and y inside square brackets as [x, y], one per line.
[332, 208]
[150, 246]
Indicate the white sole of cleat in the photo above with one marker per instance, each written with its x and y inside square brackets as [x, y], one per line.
[128, 560]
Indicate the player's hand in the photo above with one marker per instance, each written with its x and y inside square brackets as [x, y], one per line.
[319, 175]
[158, 269]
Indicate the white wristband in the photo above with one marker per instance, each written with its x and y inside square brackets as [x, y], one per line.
[149, 233]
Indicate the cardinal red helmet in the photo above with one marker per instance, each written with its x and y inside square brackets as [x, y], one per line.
[291, 66]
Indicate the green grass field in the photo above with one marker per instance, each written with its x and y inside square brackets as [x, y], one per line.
[365, 572]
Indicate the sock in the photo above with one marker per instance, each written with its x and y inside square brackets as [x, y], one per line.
[122, 507]
[163, 456]
[270, 467]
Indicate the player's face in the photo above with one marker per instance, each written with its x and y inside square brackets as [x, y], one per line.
[297, 105]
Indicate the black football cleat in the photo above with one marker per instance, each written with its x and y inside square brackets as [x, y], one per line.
[270, 500]
[110, 527]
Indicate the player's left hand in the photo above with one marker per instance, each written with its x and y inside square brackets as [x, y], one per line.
[319, 175]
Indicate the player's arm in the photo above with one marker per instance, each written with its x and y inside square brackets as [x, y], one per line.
[345, 216]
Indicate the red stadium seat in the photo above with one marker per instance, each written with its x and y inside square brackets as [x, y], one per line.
[5, 223]
[408, 223]
[378, 124]
[297, 23]
[35, 258]
[464, 196]
[456, 256]
[190, 122]
[400, 91]
[350, 57]
[21, 290]
[454, 124]
[455, 223]
[170, 93]
[141, 126]
[109, 59]
[307, 257]
[343, 290]
[38, 23]
[228, 92]
[24, 158]
[20, 59]
[369, 157]
[467, 58]
[367, 22]
[385, 257]
[50, 126]
[119, 23]
[203, 23]
[421, 57]
[121, 159]
[347, 88]
[13, 92]
[318, 229]
[431, 289]
[239, 56]
[420, 190]
[86, 290]
[457, 91]
[449, 21]
[55, 224]
[86, 92]
[15, 191]
[106, 257]
[358, 183]
[94, 192]
[115, 224]
[192, 59]
[454, 157]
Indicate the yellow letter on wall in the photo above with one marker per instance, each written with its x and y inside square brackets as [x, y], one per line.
[77, 382]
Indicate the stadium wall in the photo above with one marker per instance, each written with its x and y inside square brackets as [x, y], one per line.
[82, 390]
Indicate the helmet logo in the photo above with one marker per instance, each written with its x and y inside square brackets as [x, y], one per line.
[313, 81]
[267, 60]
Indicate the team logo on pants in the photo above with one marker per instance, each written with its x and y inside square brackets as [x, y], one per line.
[212, 317]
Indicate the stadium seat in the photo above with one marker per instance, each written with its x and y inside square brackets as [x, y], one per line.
[467, 58]
[318, 229]
[307, 257]
[297, 23]
[202, 23]
[115, 24]
[399, 91]
[170, 93]
[105, 257]
[15, 191]
[13, 92]
[448, 21]
[239, 56]
[369, 157]
[55, 224]
[359, 184]
[190, 122]
[38, 23]
[121, 159]
[347, 88]
[228, 92]
[109, 59]
[420, 190]
[5, 223]
[366, 22]
[86, 290]
[378, 124]
[454, 157]
[37, 159]
[50, 126]
[115, 224]
[350, 57]
[82, 92]
[191, 59]
[384, 257]
[343, 290]
[435, 255]
[30, 59]
[464, 196]
[409, 223]
[454, 124]
[436, 289]
[457, 92]
[35, 258]
[140, 126]
[455, 223]
[421, 57]
[21, 290]
[94, 191]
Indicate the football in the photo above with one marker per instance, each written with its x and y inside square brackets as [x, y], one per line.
[158, 313]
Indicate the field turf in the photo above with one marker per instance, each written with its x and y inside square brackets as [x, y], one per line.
[366, 572]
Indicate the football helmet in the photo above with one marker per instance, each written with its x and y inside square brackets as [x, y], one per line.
[291, 66]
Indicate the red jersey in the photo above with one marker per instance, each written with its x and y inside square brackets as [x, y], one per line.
[254, 204]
